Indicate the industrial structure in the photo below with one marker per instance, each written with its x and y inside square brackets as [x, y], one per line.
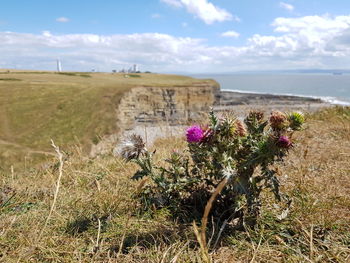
[133, 69]
[59, 67]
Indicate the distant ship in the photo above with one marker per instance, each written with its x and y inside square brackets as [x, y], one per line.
[337, 73]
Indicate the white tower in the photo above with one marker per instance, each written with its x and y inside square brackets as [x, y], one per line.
[59, 68]
[134, 69]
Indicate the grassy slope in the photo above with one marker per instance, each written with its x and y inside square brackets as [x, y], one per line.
[316, 176]
[68, 108]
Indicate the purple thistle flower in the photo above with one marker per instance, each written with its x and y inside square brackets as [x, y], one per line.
[194, 134]
[284, 142]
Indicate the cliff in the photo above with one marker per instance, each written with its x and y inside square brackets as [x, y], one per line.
[171, 105]
[155, 105]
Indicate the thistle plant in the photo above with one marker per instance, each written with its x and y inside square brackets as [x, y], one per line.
[240, 153]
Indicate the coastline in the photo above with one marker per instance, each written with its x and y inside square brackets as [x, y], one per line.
[242, 102]
[325, 99]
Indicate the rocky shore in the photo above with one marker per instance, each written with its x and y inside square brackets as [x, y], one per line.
[240, 103]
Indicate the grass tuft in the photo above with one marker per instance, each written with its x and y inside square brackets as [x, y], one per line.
[10, 79]
[73, 74]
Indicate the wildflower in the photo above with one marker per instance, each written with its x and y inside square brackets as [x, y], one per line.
[194, 134]
[278, 120]
[284, 142]
[296, 120]
[227, 127]
[233, 130]
[257, 115]
[133, 147]
[240, 129]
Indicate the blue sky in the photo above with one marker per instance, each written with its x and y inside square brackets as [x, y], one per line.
[195, 36]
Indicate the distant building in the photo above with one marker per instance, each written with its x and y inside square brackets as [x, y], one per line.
[133, 69]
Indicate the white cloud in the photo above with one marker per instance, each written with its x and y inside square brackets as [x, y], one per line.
[230, 33]
[315, 24]
[46, 33]
[304, 38]
[62, 19]
[303, 42]
[286, 6]
[204, 10]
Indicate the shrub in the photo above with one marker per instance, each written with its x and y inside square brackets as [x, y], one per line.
[236, 156]
[134, 76]
[10, 79]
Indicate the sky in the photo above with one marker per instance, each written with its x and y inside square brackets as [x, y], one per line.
[192, 36]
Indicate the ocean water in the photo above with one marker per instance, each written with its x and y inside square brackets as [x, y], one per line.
[328, 87]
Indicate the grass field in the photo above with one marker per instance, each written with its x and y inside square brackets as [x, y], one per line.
[69, 107]
[95, 218]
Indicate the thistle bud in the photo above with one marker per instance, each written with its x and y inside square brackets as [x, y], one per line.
[240, 129]
[256, 115]
[278, 120]
[284, 142]
[296, 120]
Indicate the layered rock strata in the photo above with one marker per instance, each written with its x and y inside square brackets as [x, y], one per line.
[171, 105]
[160, 106]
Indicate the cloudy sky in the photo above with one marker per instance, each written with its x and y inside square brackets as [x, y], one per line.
[195, 36]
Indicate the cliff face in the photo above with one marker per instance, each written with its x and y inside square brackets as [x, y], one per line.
[170, 105]
[152, 106]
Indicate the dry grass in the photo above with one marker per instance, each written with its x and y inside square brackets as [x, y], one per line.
[96, 220]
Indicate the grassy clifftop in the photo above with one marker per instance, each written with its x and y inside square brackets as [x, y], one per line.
[67, 107]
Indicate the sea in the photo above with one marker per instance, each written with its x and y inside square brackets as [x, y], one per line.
[332, 88]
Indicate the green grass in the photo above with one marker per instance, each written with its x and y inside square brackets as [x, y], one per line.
[96, 218]
[70, 108]
[9, 79]
[134, 75]
[73, 74]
